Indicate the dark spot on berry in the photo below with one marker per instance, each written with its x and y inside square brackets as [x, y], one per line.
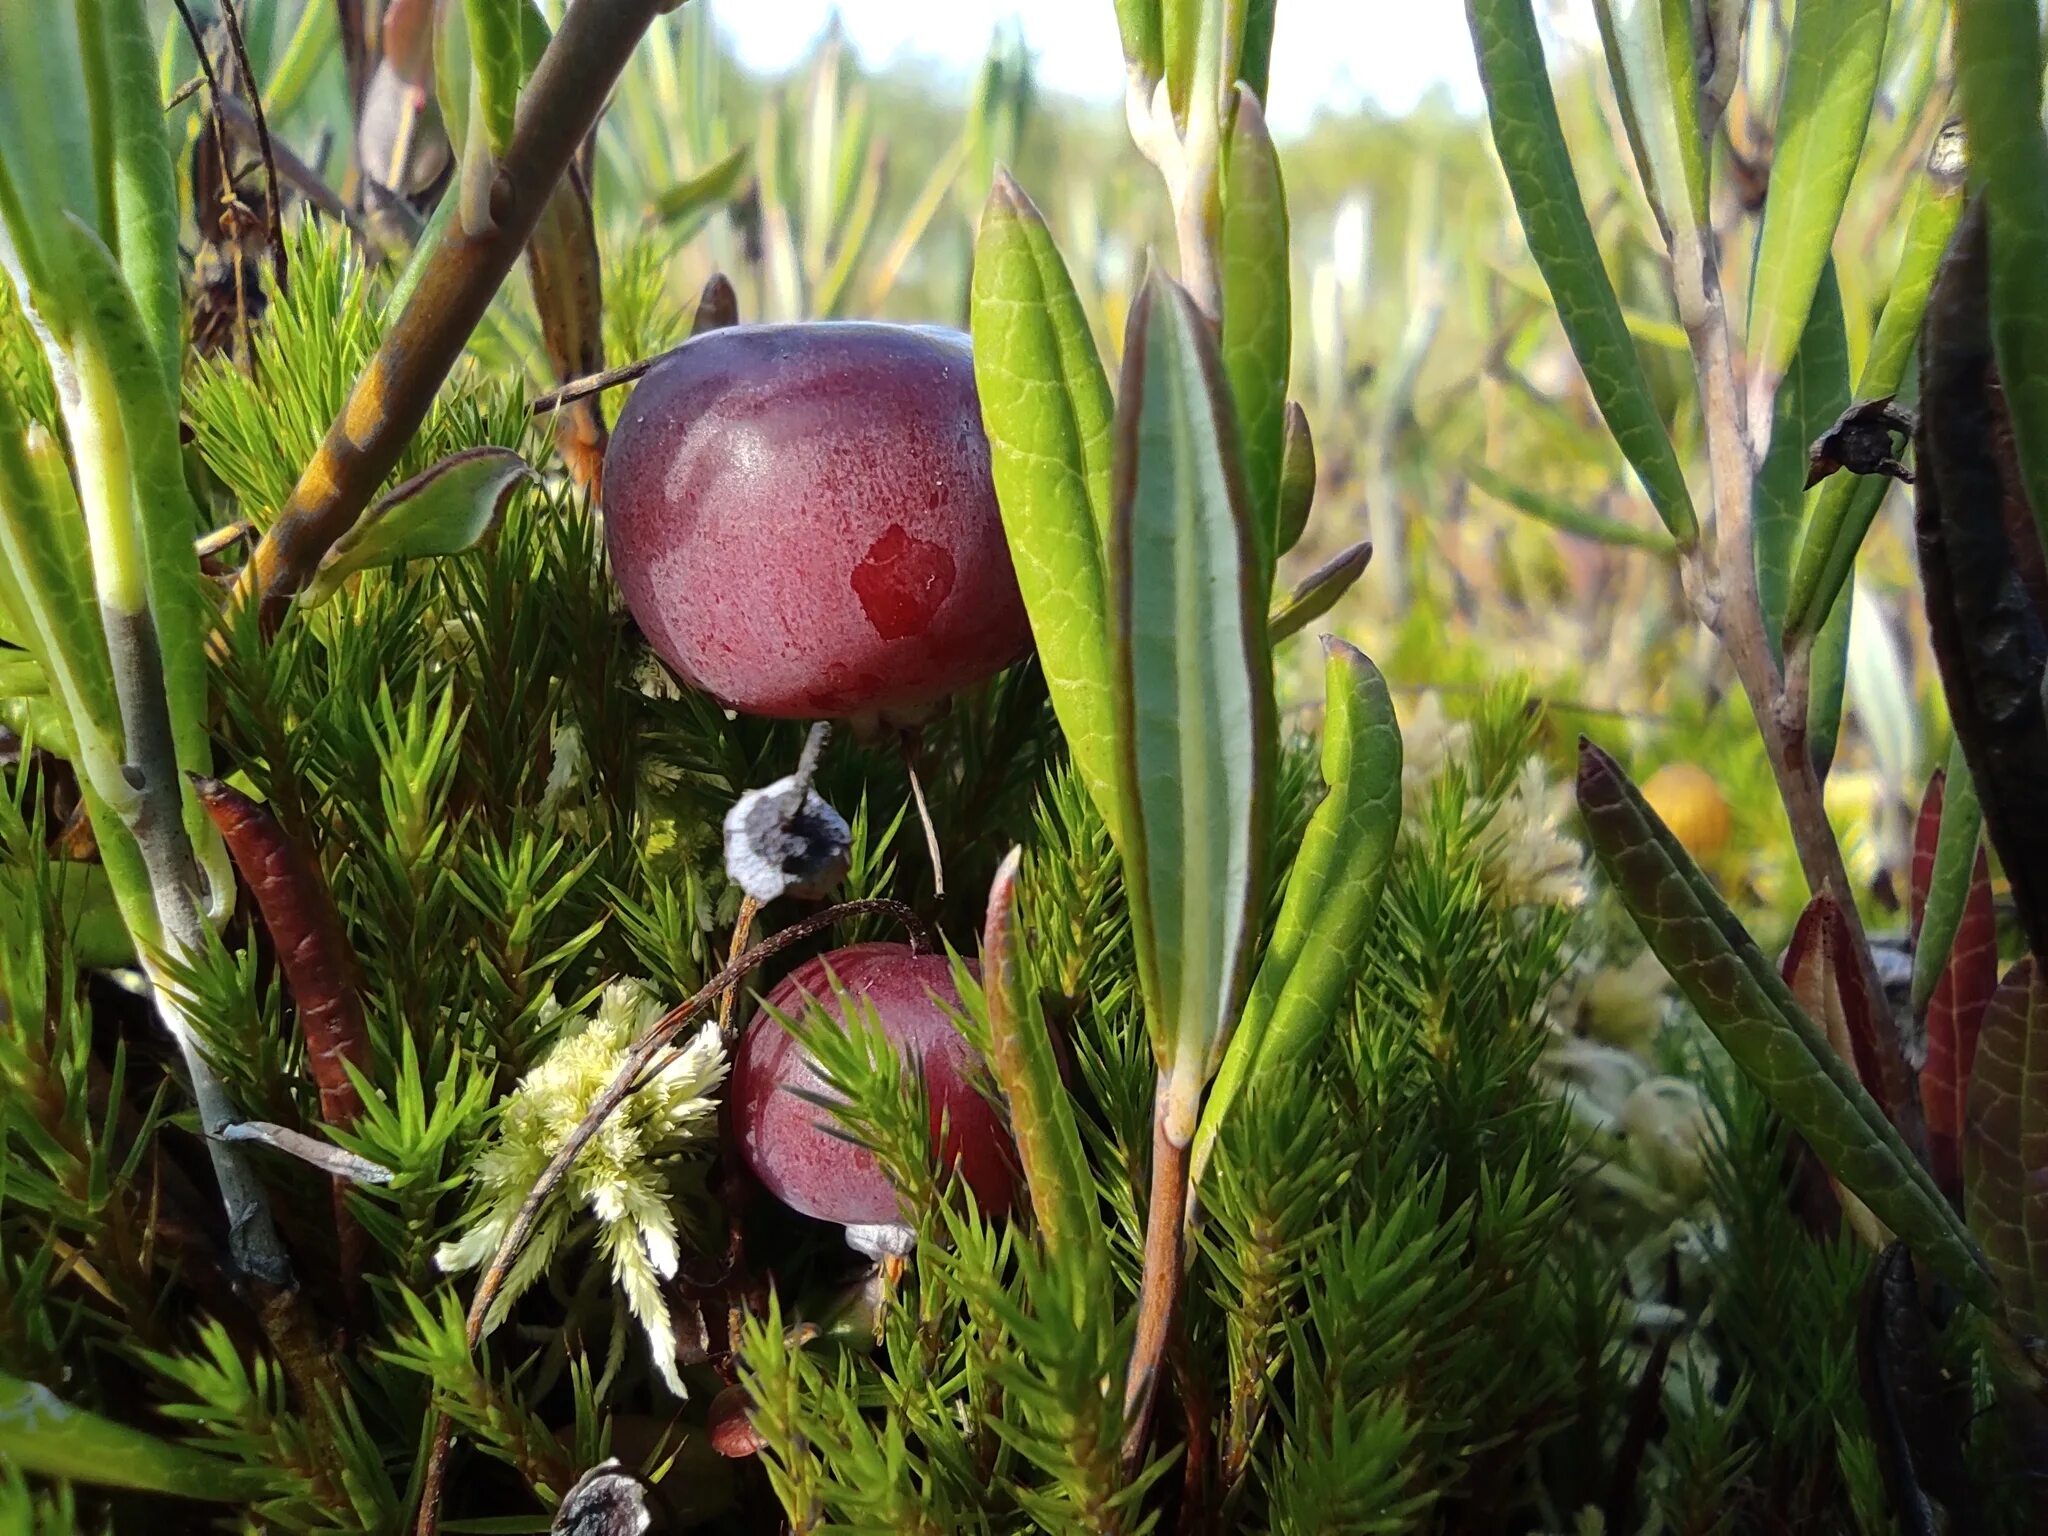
[901, 582]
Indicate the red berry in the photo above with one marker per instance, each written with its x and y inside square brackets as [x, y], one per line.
[802, 520]
[794, 1145]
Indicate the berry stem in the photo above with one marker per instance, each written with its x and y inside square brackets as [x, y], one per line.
[1159, 1289]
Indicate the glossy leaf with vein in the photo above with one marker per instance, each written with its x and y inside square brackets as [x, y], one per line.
[1742, 999]
[1967, 979]
[1979, 568]
[1046, 407]
[1194, 690]
[2005, 1144]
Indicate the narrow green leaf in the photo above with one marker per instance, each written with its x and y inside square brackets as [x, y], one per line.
[1257, 334]
[1318, 945]
[497, 59]
[2005, 1143]
[112, 328]
[1046, 406]
[1998, 68]
[1830, 80]
[1846, 504]
[1194, 690]
[1569, 519]
[1530, 142]
[1297, 477]
[444, 510]
[1180, 28]
[1751, 1011]
[1139, 23]
[49, 568]
[1665, 335]
[1255, 60]
[1319, 592]
[1649, 48]
[853, 233]
[315, 39]
[145, 189]
[688, 201]
[44, 1435]
[1021, 1055]
[1955, 860]
[1813, 395]
[97, 74]
[1827, 681]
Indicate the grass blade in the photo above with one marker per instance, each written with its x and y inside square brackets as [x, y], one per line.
[1530, 141]
[1831, 70]
[1569, 519]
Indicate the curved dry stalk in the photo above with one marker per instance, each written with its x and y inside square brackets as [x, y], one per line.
[638, 1060]
[742, 932]
[276, 220]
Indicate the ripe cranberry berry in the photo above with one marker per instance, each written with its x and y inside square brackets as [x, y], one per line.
[795, 1147]
[803, 524]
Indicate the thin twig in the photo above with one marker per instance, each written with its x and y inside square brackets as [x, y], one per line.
[227, 174]
[276, 221]
[299, 174]
[590, 384]
[645, 1051]
[184, 93]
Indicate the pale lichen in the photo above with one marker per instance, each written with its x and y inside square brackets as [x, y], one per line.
[622, 1180]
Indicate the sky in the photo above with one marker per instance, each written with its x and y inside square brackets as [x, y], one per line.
[1332, 53]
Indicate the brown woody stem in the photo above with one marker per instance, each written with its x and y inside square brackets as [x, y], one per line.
[1721, 580]
[1159, 1288]
[558, 107]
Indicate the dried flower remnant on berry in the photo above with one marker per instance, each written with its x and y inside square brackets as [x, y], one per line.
[624, 1176]
[606, 1501]
[785, 840]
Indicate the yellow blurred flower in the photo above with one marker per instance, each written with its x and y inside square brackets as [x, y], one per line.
[1691, 804]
